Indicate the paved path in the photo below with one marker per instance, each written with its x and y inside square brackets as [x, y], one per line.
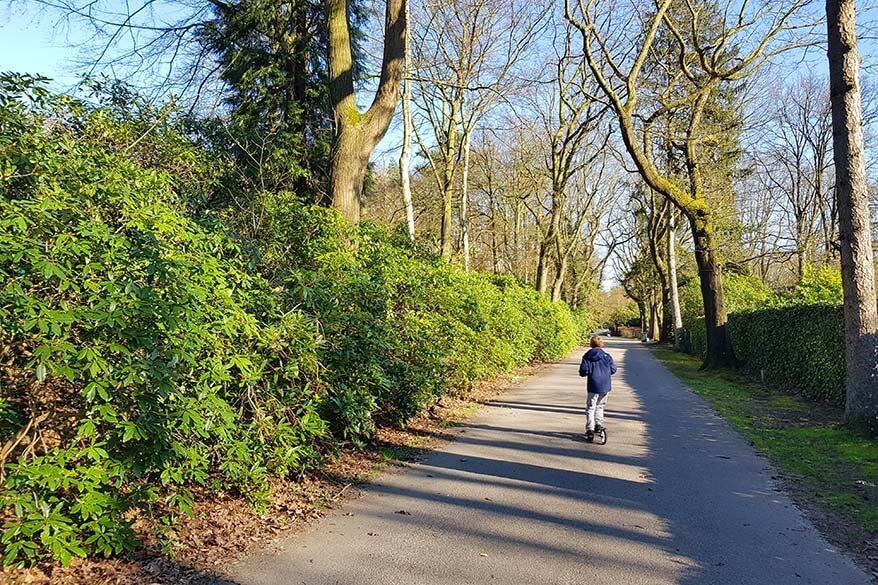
[675, 497]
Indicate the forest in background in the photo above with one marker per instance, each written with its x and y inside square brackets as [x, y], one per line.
[212, 278]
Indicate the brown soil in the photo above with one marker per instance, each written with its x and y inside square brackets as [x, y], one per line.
[225, 528]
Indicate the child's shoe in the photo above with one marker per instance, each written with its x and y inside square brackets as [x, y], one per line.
[598, 428]
[589, 436]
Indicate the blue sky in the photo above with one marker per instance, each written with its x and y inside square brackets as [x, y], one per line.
[33, 40]
[31, 43]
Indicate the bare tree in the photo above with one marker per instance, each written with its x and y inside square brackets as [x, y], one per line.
[795, 164]
[569, 129]
[715, 46]
[405, 154]
[464, 55]
[852, 190]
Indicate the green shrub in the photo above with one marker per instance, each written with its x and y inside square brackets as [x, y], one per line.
[695, 337]
[628, 314]
[403, 327]
[585, 322]
[167, 351]
[794, 340]
[160, 359]
[818, 286]
[799, 347]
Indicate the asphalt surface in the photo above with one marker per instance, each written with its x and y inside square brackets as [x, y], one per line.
[675, 497]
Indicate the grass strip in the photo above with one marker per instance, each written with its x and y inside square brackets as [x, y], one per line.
[805, 439]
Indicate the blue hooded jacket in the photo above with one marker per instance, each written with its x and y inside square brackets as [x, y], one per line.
[598, 366]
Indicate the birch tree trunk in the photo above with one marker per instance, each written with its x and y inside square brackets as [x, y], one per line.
[449, 171]
[356, 133]
[672, 276]
[405, 155]
[857, 268]
[464, 201]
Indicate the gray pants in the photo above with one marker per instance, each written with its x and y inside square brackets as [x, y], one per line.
[594, 409]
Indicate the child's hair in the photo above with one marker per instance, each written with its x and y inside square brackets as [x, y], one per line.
[596, 341]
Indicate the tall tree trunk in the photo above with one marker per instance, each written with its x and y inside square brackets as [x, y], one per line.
[448, 173]
[464, 201]
[348, 164]
[672, 276]
[656, 227]
[405, 155]
[550, 239]
[495, 257]
[516, 241]
[857, 268]
[719, 345]
[543, 267]
[560, 275]
[641, 307]
[356, 133]
[655, 317]
[573, 294]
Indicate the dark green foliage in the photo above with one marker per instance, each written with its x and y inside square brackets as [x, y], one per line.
[795, 339]
[271, 56]
[158, 351]
[160, 359]
[400, 327]
[627, 314]
[277, 132]
[800, 347]
[695, 337]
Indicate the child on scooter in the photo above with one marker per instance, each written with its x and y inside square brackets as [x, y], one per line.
[598, 366]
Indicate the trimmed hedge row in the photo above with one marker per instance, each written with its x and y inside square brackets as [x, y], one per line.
[793, 339]
[742, 293]
[799, 346]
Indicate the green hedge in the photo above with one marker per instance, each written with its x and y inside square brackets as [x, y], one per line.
[167, 352]
[800, 347]
[400, 327]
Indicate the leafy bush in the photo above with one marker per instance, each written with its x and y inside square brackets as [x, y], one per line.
[155, 350]
[794, 339]
[141, 341]
[401, 327]
[818, 286]
[800, 347]
[627, 314]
